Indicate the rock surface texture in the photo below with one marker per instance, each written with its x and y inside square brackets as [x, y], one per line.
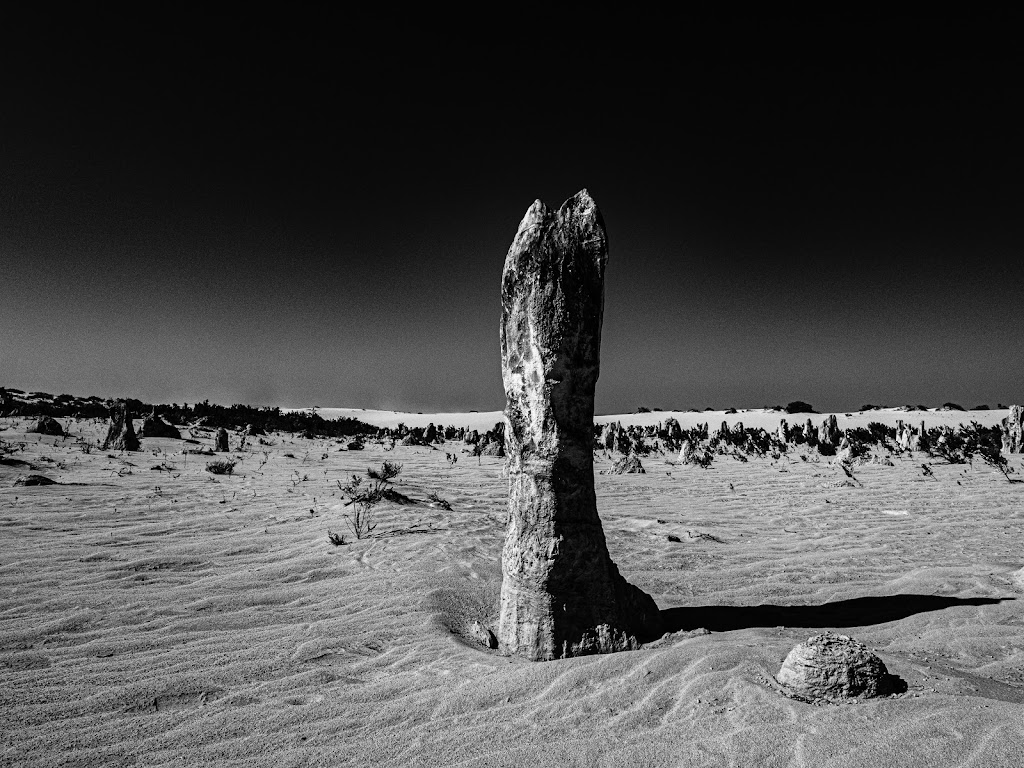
[121, 434]
[833, 667]
[561, 594]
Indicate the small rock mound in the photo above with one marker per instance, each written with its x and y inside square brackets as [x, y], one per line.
[154, 426]
[628, 465]
[48, 425]
[35, 480]
[254, 431]
[833, 667]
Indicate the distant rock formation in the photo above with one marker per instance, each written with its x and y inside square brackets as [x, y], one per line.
[1014, 426]
[430, 434]
[154, 426]
[834, 667]
[628, 465]
[685, 452]
[830, 433]
[561, 594]
[675, 432]
[608, 437]
[121, 434]
[220, 442]
[47, 425]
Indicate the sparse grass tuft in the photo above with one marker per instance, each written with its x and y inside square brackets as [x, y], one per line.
[221, 467]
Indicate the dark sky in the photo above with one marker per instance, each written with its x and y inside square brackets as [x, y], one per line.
[286, 221]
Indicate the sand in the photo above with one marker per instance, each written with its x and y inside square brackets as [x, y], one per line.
[177, 618]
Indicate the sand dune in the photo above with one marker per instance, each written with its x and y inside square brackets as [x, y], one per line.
[168, 618]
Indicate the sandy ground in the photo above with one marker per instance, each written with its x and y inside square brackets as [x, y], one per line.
[174, 618]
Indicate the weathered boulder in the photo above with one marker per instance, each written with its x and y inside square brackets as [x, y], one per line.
[628, 465]
[220, 442]
[254, 431]
[1014, 424]
[835, 667]
[47, 425]
[430, 433]
[154, 426]
[121, 434]
[561, 594]
[783, 432]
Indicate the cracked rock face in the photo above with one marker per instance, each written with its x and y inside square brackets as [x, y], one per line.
[834, 667]
[561, 594]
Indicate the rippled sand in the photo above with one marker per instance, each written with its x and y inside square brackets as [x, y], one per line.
[175, 618]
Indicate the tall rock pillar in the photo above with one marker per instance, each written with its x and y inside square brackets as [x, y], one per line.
[561, 594]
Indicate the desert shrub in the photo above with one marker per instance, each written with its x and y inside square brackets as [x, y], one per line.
[759, 441]
[799, 406]
[364, 497]
[442, 503]
[336, 539]
[826, 449]
[643, 409]
[981, 408]
[951, 407]
[221, 467]
[880, 432]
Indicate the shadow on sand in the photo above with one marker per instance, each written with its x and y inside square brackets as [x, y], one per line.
[858, 612]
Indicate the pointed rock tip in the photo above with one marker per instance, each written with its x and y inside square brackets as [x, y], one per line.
[581, 201]
[536, 211]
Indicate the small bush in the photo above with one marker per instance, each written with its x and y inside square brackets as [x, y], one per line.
[799, 406]
[336, 539]
[952, 407]
[222, 467]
